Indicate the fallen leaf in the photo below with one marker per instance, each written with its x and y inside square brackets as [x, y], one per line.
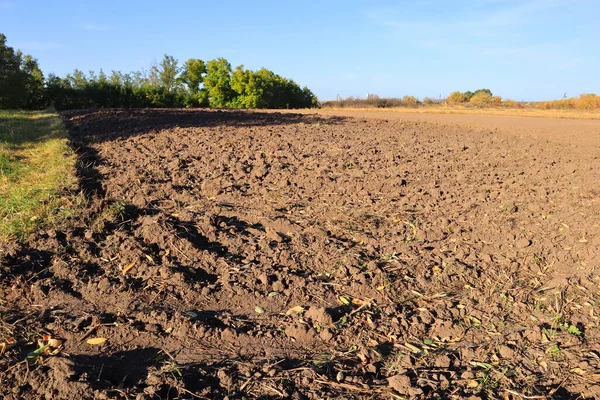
[483, 365]
[295, 310]
[472, 384]
[413, 348]
[363, 358]
[259, 310]
[359, 302]
[127, 268]
[54, 342]
[97, 341]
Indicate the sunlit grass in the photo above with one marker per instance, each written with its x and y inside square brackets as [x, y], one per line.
[37, 170]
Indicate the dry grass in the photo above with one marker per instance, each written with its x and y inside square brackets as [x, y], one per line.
[519, 112]
[36, 168]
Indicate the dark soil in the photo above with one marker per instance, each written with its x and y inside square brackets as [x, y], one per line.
[278, 255]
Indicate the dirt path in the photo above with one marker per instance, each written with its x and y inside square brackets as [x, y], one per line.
[233, 254]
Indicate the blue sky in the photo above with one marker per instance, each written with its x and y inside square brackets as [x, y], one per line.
[520, 49]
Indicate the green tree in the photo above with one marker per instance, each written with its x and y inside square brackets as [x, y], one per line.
[116, 78]
[218, 83]
[78, 79]
[35, 92]
[21, 79]
[193, 74]
[252, 88]
[265, 89]
[486, 91]
[468, 94]
[167, 72]
[11, 78]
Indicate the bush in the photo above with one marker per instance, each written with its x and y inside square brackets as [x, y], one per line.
[511, 104]
[429, 101]
[457, 97]
[410, 101]
[481, 98]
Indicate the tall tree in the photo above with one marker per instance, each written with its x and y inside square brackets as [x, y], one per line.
[21, 79]
[11, 77]
[193, 74]
[167, 72]
[35, 92]
[218, 83]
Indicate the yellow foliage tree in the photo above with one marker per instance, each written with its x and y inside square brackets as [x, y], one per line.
[456, 97]
[481, 98]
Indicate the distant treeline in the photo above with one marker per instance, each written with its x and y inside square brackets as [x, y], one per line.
[21, 80]
[167, 84]
[478, 98]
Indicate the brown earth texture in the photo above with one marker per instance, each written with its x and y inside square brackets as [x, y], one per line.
[233, 255]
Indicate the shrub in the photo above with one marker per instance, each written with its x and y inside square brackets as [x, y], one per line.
[430, 101]
[410, 101]
[481, 98]
[511, 103]
[457, 97]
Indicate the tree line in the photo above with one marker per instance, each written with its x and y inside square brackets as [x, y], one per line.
[196, 83]
[21, 79]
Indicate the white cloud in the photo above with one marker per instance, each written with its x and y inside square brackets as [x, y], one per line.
[93, 27]
[498, 30]
[481, 19]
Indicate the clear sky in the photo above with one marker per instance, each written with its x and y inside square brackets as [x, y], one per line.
[520, 49]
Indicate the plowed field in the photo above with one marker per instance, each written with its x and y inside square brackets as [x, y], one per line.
[229, 254]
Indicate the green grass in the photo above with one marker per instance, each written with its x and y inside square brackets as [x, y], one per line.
[37, 169]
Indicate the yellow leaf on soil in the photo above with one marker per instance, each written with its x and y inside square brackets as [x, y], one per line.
[295, 310]
[127, 268]
[358, 302]
[97, 341]
[472, 384]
